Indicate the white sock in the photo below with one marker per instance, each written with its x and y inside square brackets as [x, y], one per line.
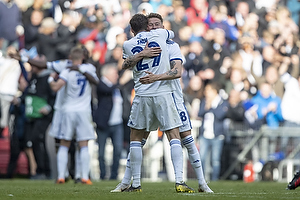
[177, 159]
[194, 157]
[127, 174]
[85, 162]
[77, 164]
[136, 157]
[62, 161]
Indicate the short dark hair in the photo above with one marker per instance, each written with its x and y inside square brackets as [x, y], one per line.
[155, 15]
[76, 53]
[138, 23]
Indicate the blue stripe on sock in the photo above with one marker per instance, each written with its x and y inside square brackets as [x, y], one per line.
[174, 142]
[135, 144]
[188, 140]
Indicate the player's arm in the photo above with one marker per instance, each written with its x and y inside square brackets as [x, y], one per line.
[37, 63]
[173, 73]
[92, 79]
[147, 52]
[55, 85]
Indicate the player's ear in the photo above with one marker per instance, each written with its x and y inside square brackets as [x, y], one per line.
[132, 31]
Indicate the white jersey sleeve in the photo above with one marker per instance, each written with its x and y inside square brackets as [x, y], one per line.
[59, 65]
[157, 65]
[90, 69]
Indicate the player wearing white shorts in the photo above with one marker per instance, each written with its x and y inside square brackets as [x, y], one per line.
[176, 60]
[76, 114]
[153, 105]
[58, 66]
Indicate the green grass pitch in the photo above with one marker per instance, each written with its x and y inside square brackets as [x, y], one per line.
[24, 189]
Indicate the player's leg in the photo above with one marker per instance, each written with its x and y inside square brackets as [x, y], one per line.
[194, 158]
[188, 141]
[77, 164]
[84, 133]
[65, 135]
[169, 121]
[136, 157]
[126, 180]
[85, 162]
[62, 160]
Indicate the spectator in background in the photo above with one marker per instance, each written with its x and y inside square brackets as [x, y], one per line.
[184, 35]
[9, 76]
[116, 54]
[241, 12]
[236, 80]
[67, 29]
[268, 55]
[39, 100]
[216, 52]
[195, 60]
[212, 112]
[17, 139]
[269, 105]
[126, 87]
[157, 3]
[236, 110]
[32, 29]
[192, 95]
[47, 41]
[108, 118]
[272, 78]
[36, 5]
[221, 20]
[198, 31]
[197, 12]
[11, 24]
[251, 58]
[178, 20]
[284, 20]
[290, 102]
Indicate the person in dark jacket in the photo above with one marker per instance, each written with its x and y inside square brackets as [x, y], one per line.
[108, 118]
[212, 111]
[39, 100]
[10, 23]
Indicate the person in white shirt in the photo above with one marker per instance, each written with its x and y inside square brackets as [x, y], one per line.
[155, 21]
[77, 114]
[153, 106]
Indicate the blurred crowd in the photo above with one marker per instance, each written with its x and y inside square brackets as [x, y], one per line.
[249, 47]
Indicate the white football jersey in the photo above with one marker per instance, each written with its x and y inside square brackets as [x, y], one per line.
[58, 66]
[77, 96]
[157, 65]
[175, 54]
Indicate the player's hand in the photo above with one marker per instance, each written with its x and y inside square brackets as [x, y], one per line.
[14, 55]
[151, 51]
[44, 111]
[150, 78]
